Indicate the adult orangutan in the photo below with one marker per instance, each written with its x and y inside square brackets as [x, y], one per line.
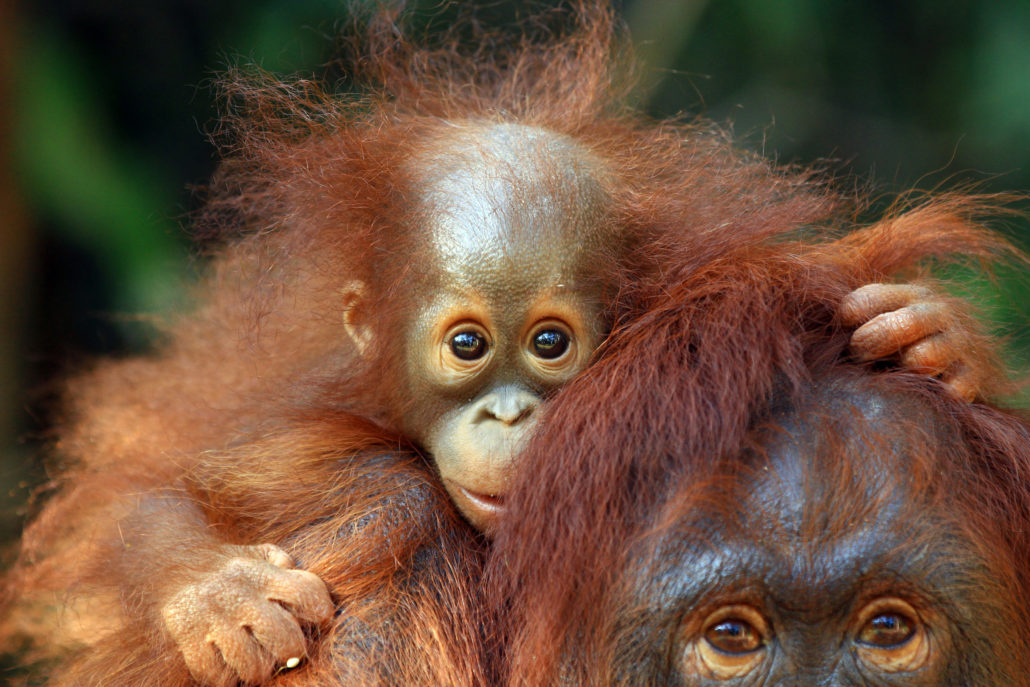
[405, 273]
[777, 515]
[875, 534]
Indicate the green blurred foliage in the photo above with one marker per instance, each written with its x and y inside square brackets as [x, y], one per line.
[97, 191]
[113, 100]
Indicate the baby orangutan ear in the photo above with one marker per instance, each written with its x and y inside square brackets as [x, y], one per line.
[354, 318]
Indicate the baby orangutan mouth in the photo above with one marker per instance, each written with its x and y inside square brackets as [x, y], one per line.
[482, 508]
[485, 502]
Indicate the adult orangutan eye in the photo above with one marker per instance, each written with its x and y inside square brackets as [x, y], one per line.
[468, 345]
[733, 636]
[730, 643]
[887, 630]
[891, 637]
[550, 343]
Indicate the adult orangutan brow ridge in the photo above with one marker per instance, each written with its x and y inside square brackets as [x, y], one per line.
[841, 552]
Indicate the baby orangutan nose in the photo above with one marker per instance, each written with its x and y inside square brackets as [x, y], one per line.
[510, 406]
[479, 447]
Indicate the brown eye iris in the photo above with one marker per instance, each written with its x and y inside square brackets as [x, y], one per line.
[734, 636]
[468, 345]
[887, 630]
[550, 343]
[892, 637]
[731, 642]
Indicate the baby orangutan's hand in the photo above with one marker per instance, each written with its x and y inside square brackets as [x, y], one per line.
[242, 620]
[914, 323]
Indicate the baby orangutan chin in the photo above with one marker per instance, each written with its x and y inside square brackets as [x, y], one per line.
[403, 280]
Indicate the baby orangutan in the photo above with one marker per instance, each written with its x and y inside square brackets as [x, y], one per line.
[510, 282]
[402, 285]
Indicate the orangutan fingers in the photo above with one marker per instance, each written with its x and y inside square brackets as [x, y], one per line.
[244, 655]
[866, 302]
[963, 382]
[279, 634]
[929, 334]
[244, 616]
[276, 556]
[246, 646]
[933, 355]
[941, 355]
[888, 333]
[303, 594]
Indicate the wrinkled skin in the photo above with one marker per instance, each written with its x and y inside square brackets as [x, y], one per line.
[812, 572]
[267, 637]
[912, 322]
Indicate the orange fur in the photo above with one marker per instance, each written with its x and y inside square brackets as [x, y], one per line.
[672, 401]
[256, 410]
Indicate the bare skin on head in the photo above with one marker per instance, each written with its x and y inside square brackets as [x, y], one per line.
[512, 310]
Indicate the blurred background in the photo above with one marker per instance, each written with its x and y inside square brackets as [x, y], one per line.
[104, 106]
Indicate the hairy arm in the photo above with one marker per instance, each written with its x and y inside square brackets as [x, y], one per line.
[235, 612]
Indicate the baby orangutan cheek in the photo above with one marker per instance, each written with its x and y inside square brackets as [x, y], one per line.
[475, 457]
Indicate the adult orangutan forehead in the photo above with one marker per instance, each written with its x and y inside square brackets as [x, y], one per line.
[503, 191]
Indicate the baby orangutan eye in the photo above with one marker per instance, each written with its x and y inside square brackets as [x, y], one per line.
[550, 343]
[731, 643]
[465, 349]
[468, 345]
[551, 347]
[891, 637]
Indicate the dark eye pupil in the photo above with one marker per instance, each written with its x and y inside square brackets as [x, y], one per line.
[733, 637]
[468, 345]
[887, 630]
[550, 343]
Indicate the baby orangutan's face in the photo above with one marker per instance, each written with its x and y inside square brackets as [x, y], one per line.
[510, 311]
